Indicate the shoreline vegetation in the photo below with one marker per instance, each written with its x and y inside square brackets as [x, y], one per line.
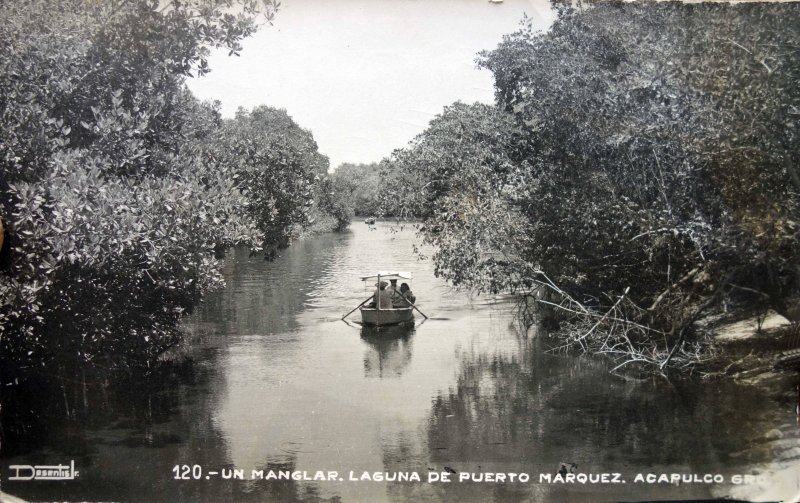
[636, 177]
[120, 191]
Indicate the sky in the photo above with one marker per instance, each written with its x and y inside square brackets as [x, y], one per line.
[366, 76]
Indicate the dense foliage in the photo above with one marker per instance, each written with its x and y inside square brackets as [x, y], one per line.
[119, 190]
[352, 189]
[365, 180]
[640, 163]
[333, 204]
[276, 164]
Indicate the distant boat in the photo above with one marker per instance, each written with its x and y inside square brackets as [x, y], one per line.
[495, 1]
[369, 220]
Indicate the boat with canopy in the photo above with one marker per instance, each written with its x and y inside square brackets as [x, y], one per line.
[381, 316]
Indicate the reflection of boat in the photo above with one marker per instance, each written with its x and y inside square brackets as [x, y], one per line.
[380, 336]
[375, 316]
[369, 220]
[388, 351]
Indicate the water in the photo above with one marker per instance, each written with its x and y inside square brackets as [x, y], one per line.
[280, 383]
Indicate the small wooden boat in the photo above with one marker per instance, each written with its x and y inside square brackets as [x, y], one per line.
[377, 316]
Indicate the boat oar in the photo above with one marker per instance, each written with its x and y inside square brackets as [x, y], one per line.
[351, 312]
[415, 307]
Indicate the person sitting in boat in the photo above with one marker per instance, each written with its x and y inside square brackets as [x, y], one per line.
[394, 293]
[382, 295]
[404, 297]
[406, 292]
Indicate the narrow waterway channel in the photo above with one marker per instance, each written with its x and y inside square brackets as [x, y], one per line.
[279, 383]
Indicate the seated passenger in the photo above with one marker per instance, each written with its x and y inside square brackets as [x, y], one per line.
[393, 288]
[382, 294]
[405, 290]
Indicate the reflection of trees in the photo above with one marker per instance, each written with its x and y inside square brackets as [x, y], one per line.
[44, 406]
[389, 350]
[268, 296]
[125, 435]
[290, 491]
[531, 411]
[127, 438]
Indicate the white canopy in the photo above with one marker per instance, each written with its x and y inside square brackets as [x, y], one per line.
[387, 275]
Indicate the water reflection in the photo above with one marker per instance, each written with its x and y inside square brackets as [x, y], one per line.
[266, 297]
[388, 350]
[278, 382]
[533, 411]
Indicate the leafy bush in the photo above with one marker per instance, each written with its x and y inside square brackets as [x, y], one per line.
[640, 162]
[106, 267]
[334, 197]
[113, 209]
[276, 164]
[364, 180]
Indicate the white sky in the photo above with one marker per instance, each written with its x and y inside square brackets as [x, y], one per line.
[366, 76]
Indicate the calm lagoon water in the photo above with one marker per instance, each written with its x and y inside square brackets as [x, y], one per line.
[279, 383]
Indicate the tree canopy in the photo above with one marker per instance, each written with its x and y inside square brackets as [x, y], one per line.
[120, 190]
[365, 179]
[275, 163]
[640, 159]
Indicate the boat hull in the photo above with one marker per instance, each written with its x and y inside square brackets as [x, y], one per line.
[377, 318]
